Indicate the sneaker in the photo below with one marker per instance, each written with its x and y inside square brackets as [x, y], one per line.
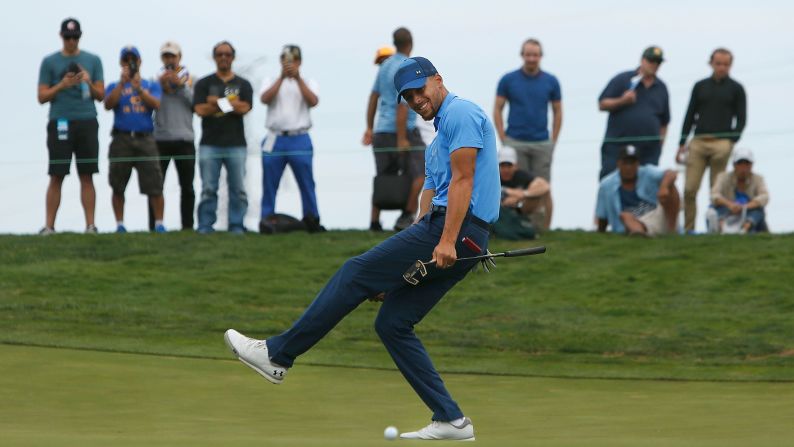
[46, 231]
[375, 226]
[160, 229]
[91, 229]
[253, 353]
[121, 229]
[403, 222]
[444, 430]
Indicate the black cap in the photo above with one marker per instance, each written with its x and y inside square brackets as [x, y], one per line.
[71, 28]
[653, 54]
[628, 152]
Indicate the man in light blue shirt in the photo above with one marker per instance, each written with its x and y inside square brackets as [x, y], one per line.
[637, 199]
[395, 140]
[460, 198]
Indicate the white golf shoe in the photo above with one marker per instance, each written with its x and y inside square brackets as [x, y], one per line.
[444, 431]
[253, 353]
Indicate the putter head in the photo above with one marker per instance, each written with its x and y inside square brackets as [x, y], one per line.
[417, 269]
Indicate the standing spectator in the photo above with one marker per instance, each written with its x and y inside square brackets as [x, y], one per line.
[636, 199]
[173, 129]
[383, 53]
[133, 100]
[289, 98]
[639, 111]
[741, 193]
[395, 140]
[221, 99]
[530, 91]
[71, 80]
[715, 103]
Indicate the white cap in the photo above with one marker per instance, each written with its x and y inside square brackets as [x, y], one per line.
[743, 153]
[171, 47]
[508, 155]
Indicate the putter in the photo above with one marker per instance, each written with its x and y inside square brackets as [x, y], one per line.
[420, 267]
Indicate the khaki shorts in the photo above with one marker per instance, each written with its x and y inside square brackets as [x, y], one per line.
[533, 156]
[139, 152]
[655, 222]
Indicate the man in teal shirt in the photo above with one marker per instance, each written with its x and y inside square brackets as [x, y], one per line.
[71, 80]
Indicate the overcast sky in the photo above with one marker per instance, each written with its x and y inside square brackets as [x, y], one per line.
[472, 43]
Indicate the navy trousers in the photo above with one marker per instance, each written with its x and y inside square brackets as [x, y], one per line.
[380, 270]
[296, 151]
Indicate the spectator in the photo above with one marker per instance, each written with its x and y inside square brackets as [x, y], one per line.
[383, 53]
[71, 80]
[221, 99]
[289, 98]
[521, 190]
[741, 193]
[715, 103]
[530, 91]
[133, 100]
[395, 140]
[639, 111]
[173, 129]
[637, 199]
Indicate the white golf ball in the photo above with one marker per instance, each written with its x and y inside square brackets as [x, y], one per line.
[390, 433]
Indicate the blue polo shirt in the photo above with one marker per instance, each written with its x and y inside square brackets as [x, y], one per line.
[386, 119]
[609, 204]
[645, 117]
[528, 97]
[461, 123]
[131, 114]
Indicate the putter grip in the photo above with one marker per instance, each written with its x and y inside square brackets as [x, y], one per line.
[525, 252]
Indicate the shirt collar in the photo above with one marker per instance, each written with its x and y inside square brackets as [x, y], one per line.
[443, 109]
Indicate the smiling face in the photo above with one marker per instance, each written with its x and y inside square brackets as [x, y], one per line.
[426, 101]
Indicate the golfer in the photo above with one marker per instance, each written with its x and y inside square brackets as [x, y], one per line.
[459, 199]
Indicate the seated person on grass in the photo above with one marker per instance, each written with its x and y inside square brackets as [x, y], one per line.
[740, 193]
[521, 190]
[634, 199]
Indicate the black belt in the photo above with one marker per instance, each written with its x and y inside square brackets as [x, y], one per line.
[437, 209]
[291, 133]
[130, 134]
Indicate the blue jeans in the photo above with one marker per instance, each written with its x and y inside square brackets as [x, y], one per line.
[755, 216]
[211, 158]
[297, 152]
[380, 270]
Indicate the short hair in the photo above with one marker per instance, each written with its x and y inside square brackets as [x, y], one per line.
[532, 41]
[402, 38]
[721, 50]
[223, 42]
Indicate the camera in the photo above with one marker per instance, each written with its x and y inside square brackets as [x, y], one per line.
[132, 63]
[73, 68]
[171, 67]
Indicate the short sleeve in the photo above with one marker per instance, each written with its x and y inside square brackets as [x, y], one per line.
[614, 89]
[200, 92]
[464, 129]
[655, 173]
[556, 91]
[313, 86]
[664, 118]
[109, 88]
[266, 84]
[155, 89]
[247, 93]
[502, 87]
[601, 203]
[97, 73]
[45, 74]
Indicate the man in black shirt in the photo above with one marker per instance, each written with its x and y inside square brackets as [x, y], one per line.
[718, 111]
[221, 99]
[521, 190]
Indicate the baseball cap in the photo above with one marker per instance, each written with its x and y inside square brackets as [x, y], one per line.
[383, 52]
[508, 155]
[653, 54]
[412, 73]
[628, 151]
[71, 28]
[171, 48]
[129, 49]
[743, 153]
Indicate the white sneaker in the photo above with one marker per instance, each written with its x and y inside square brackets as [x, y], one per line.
[444, 430]
[253, 353]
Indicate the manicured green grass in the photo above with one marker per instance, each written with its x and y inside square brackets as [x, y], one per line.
[713, 308]
[65, 398]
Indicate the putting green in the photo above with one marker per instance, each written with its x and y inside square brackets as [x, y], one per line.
[59, 397]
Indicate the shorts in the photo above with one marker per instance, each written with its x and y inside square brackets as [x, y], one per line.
[533, 156]
[141, 153]
[655, 222]
[81, 140]
[389, 160]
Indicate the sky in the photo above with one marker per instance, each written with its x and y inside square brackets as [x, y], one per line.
[472, 43]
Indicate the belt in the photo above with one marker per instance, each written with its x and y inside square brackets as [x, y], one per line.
[291, 133]
[132, 134]
[437, 209]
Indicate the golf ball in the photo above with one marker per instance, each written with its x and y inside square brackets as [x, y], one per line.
[390, 433]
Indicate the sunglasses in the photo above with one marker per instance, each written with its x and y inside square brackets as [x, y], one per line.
[71, 37]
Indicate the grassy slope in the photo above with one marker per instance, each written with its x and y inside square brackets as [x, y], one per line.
[60, 398]
[593, 306]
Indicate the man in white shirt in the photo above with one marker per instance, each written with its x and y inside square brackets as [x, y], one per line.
[288, 98]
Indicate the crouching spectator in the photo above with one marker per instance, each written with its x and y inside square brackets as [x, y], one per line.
[739, 197]
[521, 215]
[634, 199]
